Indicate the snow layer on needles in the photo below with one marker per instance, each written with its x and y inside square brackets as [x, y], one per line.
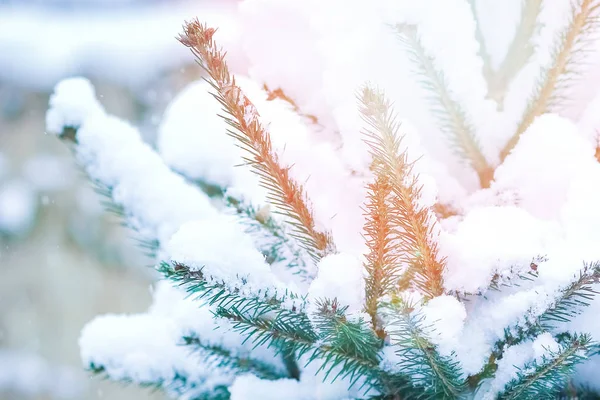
[341, 277]
[226, 255]
[493, 240]
[155, 200]
[148, 348]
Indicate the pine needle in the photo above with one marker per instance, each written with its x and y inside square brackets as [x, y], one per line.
[571, 45]
[285, 194]
[412, 223]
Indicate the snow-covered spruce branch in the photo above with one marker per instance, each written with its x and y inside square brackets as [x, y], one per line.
[451, 117]
[154, 200]
[437, 376]
[94, 134]
[519, 51]
[342, 348]
[569, 303]
[223, 358]
[411, 223]
[272, 237]
[286, 194]
[570, 47]
[547, 377]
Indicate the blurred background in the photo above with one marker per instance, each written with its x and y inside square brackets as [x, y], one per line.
[63, 259]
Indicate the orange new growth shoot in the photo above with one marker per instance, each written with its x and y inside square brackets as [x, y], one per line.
[411, 222]
[285, 193]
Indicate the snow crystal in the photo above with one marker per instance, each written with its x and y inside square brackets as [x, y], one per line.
[339, 276]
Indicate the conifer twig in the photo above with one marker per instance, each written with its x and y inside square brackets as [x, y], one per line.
[412, 223]
[439, 376]
[452, 117]
[549, 376]
[519, 51]
[382, 263]
[280, 94]
[556, 80]
[242, 116]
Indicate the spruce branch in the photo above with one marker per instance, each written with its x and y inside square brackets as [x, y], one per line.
[440, 377]
[519, 51]
[280, 94]
[224, 359]
[573, 298]
[149, 245]
[452, 118]
[221, 294]
[545, 379]
[569, 304]
[286, 194]
[572, 44]
[179, 384]
[336, 341]
[412, 223]
[273, 239]
[382, 264]
[353, 340]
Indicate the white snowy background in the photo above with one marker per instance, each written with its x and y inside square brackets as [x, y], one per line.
[63, 259]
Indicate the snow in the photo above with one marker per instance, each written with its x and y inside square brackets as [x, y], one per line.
[339, 276]
[509, 366]
[206, 246]
[193, 140]
[72, 102]
[494, 240]
[147, 348]
[553, 153]
[445, 316]
[156, 201]
[18, 207]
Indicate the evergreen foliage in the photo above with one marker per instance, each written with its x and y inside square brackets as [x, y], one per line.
[388, 349]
